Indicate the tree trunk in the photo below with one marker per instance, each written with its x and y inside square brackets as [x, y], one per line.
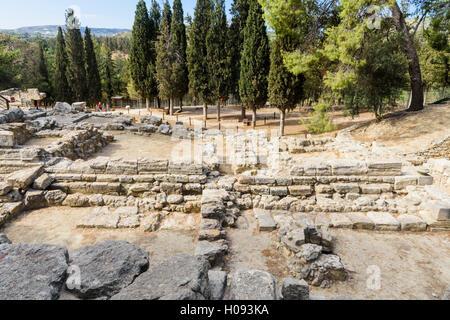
[205, 112]
[254, 117]
[159, 102]
[181, 104]
[415, 73]
[243, 113]
[218, 111]
[147, 103]
[282, 118]
[171, 101]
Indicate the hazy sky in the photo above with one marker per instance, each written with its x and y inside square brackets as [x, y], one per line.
[94, 13]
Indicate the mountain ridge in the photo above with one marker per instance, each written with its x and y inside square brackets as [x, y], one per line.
[50, 31]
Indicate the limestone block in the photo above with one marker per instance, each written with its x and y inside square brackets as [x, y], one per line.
[384, 221]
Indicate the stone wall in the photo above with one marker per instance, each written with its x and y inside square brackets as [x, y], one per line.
[438, 149]
[440, 170]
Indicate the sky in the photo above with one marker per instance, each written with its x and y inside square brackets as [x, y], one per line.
[94, 13]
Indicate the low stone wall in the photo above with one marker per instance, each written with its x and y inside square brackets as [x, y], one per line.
[73, 145]
[438, 149]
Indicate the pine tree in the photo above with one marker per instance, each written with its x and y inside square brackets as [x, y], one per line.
[197, 55]
[44, 83]
[180, 76]
[62, 91]
[142, 55]
[164, 58]
[255, 61]
[239, 10]
[94, 84]
[218, 61]
[285, 89]
[77, 63]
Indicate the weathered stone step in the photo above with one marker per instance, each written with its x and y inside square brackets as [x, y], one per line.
[265, 220]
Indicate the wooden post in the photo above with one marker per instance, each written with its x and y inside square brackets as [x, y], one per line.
[177, 118]
[163, 115]
[219, 126]
[274, 116]
[190, 122]
[265, 120]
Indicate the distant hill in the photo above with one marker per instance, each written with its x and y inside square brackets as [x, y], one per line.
[51, 31]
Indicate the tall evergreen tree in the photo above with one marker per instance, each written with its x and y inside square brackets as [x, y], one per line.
[77, 63]
[94, 84]
[255, 61]
[44, 83]
[239, 11]
[197, 55]
[62, 89]
[285, 88]
[155, 19]
[180, 76]
[218, 60]
[108, 73]
[164, 58]
[142, 55]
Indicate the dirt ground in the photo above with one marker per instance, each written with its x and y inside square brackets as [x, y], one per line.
[157, 146]
[267, 119]
[411, 131]
[411, 265]
[57, 225]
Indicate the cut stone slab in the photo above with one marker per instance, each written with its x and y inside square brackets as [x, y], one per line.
[384, 221]
[5, 188]
[55, 197]
[440, 210]
[294, 289]
[24, 178]
[360, 221]
[213, 251]
[106, 267]
[218, 283]
[339, 220]
[252, 285]
[182, 277]
[265, 220]
[6, 139]
[43, 182]
[32, 272]
[100, 218]
[35, 199]
[402, 182]
[303, 220]
[411, 223]
[322, 220]
[4, 239]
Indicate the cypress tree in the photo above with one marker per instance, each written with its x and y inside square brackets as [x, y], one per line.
[285, 89]
[239, 11]
[164, 58]
[180, 79]
[142, 56]
[155, 20]
[218, 61]
[94, 84]
[197, 55]
[77, 63]
[44, 79]
[107, 67]
[62, 91]
[255, 61]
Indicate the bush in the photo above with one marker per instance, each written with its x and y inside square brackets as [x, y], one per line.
[319, 121]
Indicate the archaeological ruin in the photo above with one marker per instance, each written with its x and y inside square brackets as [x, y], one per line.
[91, 209]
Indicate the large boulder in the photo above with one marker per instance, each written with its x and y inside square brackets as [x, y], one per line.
[252, 285]
[218, 283]
[63, 107]
[32, 272]
[107, 267]
[182, 277]
[4, 239]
